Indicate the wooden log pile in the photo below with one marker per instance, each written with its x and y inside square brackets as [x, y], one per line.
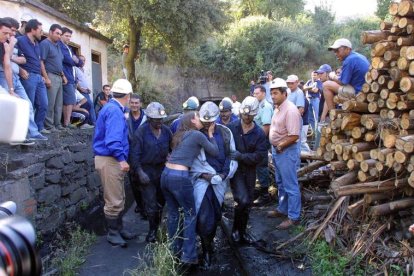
[372, 135]
[370, 139]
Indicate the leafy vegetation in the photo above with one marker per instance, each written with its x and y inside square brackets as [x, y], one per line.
[74, 250]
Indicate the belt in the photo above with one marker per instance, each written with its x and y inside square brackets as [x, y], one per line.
[58, 74]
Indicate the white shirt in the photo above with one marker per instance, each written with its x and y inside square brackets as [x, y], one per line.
[236, 108]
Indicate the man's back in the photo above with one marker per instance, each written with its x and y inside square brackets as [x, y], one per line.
[354, 68]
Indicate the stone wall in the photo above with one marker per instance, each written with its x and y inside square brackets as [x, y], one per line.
[52, 181]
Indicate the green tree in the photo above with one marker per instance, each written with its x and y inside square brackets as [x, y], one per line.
[169, 25]
[82, 11]
[272, 9]
[382, 8]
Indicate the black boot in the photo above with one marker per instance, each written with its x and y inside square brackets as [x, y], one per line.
[264, 197]
[207, 246]
[235, 233]
[114, 237]
[124, 233]
[245, 237]
[153, 227]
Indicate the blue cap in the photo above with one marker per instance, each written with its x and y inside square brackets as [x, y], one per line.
[190, 104]
[325, 68]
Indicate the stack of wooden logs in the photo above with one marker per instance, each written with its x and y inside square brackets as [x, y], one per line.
[372, 137]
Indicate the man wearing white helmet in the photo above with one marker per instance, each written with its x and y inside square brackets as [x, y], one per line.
[284, 134]
[111, 148]
[149, 150]
[251, 149]
[226, 114]
[211, 175]
[191, 104]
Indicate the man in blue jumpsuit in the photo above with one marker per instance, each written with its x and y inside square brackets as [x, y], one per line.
[111, 148]
[226, 114]
[251, 149]
[191, 104]
[213, 174]
[149, 151]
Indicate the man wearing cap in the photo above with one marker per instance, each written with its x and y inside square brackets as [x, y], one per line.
[149, 150]
[250, 150]
[136, 118]
[191, 104]
[226, 114]
[284, 134]
[211, 175]
[323, 73]
[263, 120]
[111, 148]
[354, 68]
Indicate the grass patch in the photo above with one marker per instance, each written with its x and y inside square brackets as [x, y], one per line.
[157, 260]
[330, 261]
[75, 248]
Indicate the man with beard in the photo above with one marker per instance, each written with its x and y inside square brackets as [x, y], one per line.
[30, 72]
[226, 114]
[149, 151]
[250, 151]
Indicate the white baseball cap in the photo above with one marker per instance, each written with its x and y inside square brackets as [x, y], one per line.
[342, 42]
[292, 78]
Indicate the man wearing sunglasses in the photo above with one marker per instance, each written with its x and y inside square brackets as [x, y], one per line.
[354, 68]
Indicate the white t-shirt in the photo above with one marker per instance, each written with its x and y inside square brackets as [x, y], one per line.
[79, 96]
[236, 108]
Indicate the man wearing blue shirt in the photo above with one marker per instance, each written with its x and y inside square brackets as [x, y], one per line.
[354, 68]
[226, 114]
[52, 71]
[111, 148]
[30, 72]
[70, 61]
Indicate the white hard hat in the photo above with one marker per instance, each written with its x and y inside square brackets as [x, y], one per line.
[249, 106]
[209, 112]
[122, 86]
[226, 104]
[155, 110]
[278, 83]
[191, 103]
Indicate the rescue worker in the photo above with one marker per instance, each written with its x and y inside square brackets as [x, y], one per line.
[250, 151]
[136, 117]
[149, 150]
[226, 114]
[211, 177]
[284, 137]
[178, 189]
[191, 104]
[111, 149]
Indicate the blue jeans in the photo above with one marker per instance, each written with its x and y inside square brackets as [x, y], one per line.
[19, 90]
[178, 192]
[313, 111]
[37, 93]
[287, 181]
[91, 110]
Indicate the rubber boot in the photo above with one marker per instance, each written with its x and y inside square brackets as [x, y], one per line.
[207, 246]
[114, 237]
[153, 227]
[124, 233]
[264, 197]
[245, 237]
[235, 233]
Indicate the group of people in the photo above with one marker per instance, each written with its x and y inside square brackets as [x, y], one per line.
[188, 165]
[47, 73]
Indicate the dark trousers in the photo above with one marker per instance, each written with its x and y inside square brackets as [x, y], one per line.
[151, 193]
[209, 214]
